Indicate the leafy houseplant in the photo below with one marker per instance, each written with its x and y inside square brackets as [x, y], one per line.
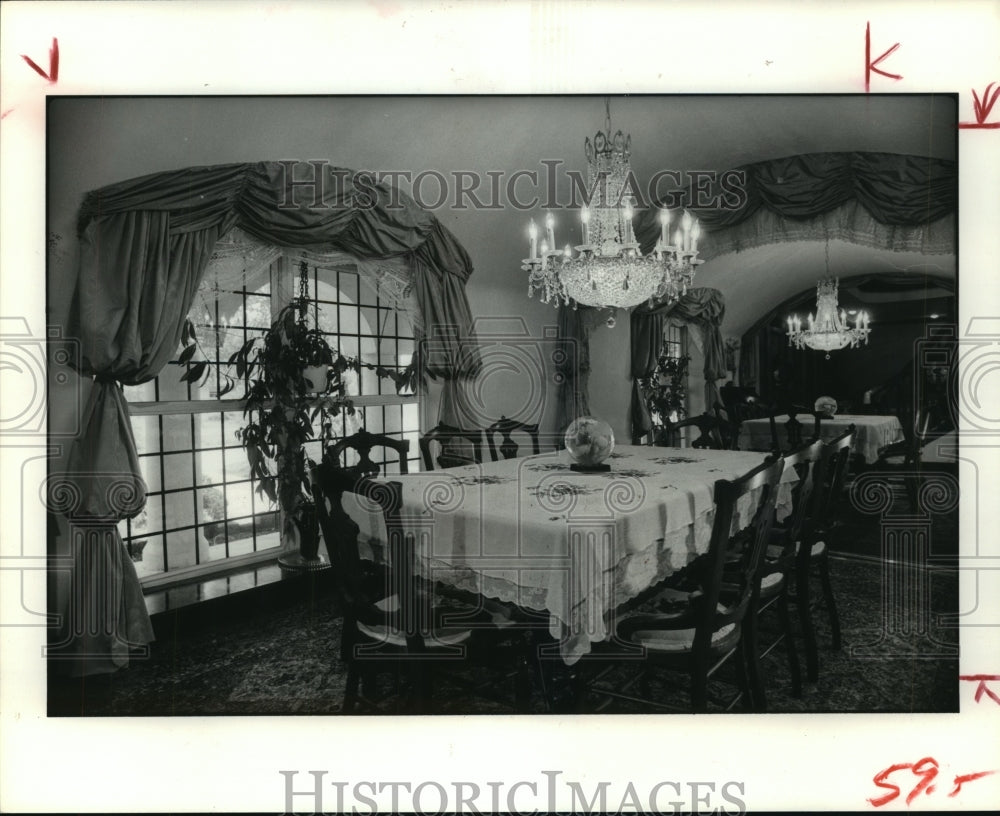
[281, 405]
[665, 390]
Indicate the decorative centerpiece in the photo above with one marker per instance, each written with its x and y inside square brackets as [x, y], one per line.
[826, 406]
[589, 441]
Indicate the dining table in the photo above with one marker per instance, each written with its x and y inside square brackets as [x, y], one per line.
[571, 545]
[872, 432]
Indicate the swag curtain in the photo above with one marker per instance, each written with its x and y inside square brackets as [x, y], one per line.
[145, 244]
[703, 308]
[896, 191]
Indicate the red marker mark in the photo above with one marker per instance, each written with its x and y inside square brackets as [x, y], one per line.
[982, 108]
[926, 768]
[53, 74]
[870, 65]
[963, 778]
[982, 688]
[4, 114]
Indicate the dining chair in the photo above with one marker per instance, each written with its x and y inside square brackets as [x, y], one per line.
[708, 432]
[699, 631]
[794, 429]
[779, 573]
[454, 446]
[395, 623]
[362, 443]
[819, 417]
[813, 550]
[728, 426]
[388, 625]
[733, 398]
[902, 460]
[508, 448]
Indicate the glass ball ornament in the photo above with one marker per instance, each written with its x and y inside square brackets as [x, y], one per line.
[826, 406]
[589, 441]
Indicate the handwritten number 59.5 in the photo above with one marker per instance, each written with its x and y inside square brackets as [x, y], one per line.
[926, 770]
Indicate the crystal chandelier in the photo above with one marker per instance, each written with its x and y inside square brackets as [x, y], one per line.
[828, 330]
[608, 271]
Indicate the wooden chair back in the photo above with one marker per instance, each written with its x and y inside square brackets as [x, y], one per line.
[793, 433]
[836, 464]
[708, 432]
[357, 594]
[728, 427]
[388, 598]
[728, 575]
[917, 436]
[742, 578]
[453, 444]
[362, 443]
[505, 428]
[809, 463]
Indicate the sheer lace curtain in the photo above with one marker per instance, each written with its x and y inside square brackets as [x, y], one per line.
[241, 259]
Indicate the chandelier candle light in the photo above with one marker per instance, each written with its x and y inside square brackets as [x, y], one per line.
[828, 331]
[608, 271]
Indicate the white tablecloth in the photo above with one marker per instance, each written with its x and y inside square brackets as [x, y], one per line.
[533, 532]
[873, 432]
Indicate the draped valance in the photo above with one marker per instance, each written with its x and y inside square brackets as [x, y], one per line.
[303, 205]
[894, 190]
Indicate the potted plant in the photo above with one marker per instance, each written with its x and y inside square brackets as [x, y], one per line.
[666, 390]
[292, 374]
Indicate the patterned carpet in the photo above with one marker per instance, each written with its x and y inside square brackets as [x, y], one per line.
[285, 659]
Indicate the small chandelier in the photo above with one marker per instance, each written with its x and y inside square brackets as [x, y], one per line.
[828, 330]
[608, 271]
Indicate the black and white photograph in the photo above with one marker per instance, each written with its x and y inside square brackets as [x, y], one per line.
[355, 428]
[564, 344]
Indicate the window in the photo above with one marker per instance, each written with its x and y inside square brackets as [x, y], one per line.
[351, 314]
[674, 341]
[203, 513]
[666, 389]
[674, 350]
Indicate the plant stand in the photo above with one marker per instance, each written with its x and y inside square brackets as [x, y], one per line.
[301, 551]
[296, 562]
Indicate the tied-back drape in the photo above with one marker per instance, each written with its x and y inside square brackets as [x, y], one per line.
[145, 244]
[703, 308]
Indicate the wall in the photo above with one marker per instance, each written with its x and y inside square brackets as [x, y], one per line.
[610, 385]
